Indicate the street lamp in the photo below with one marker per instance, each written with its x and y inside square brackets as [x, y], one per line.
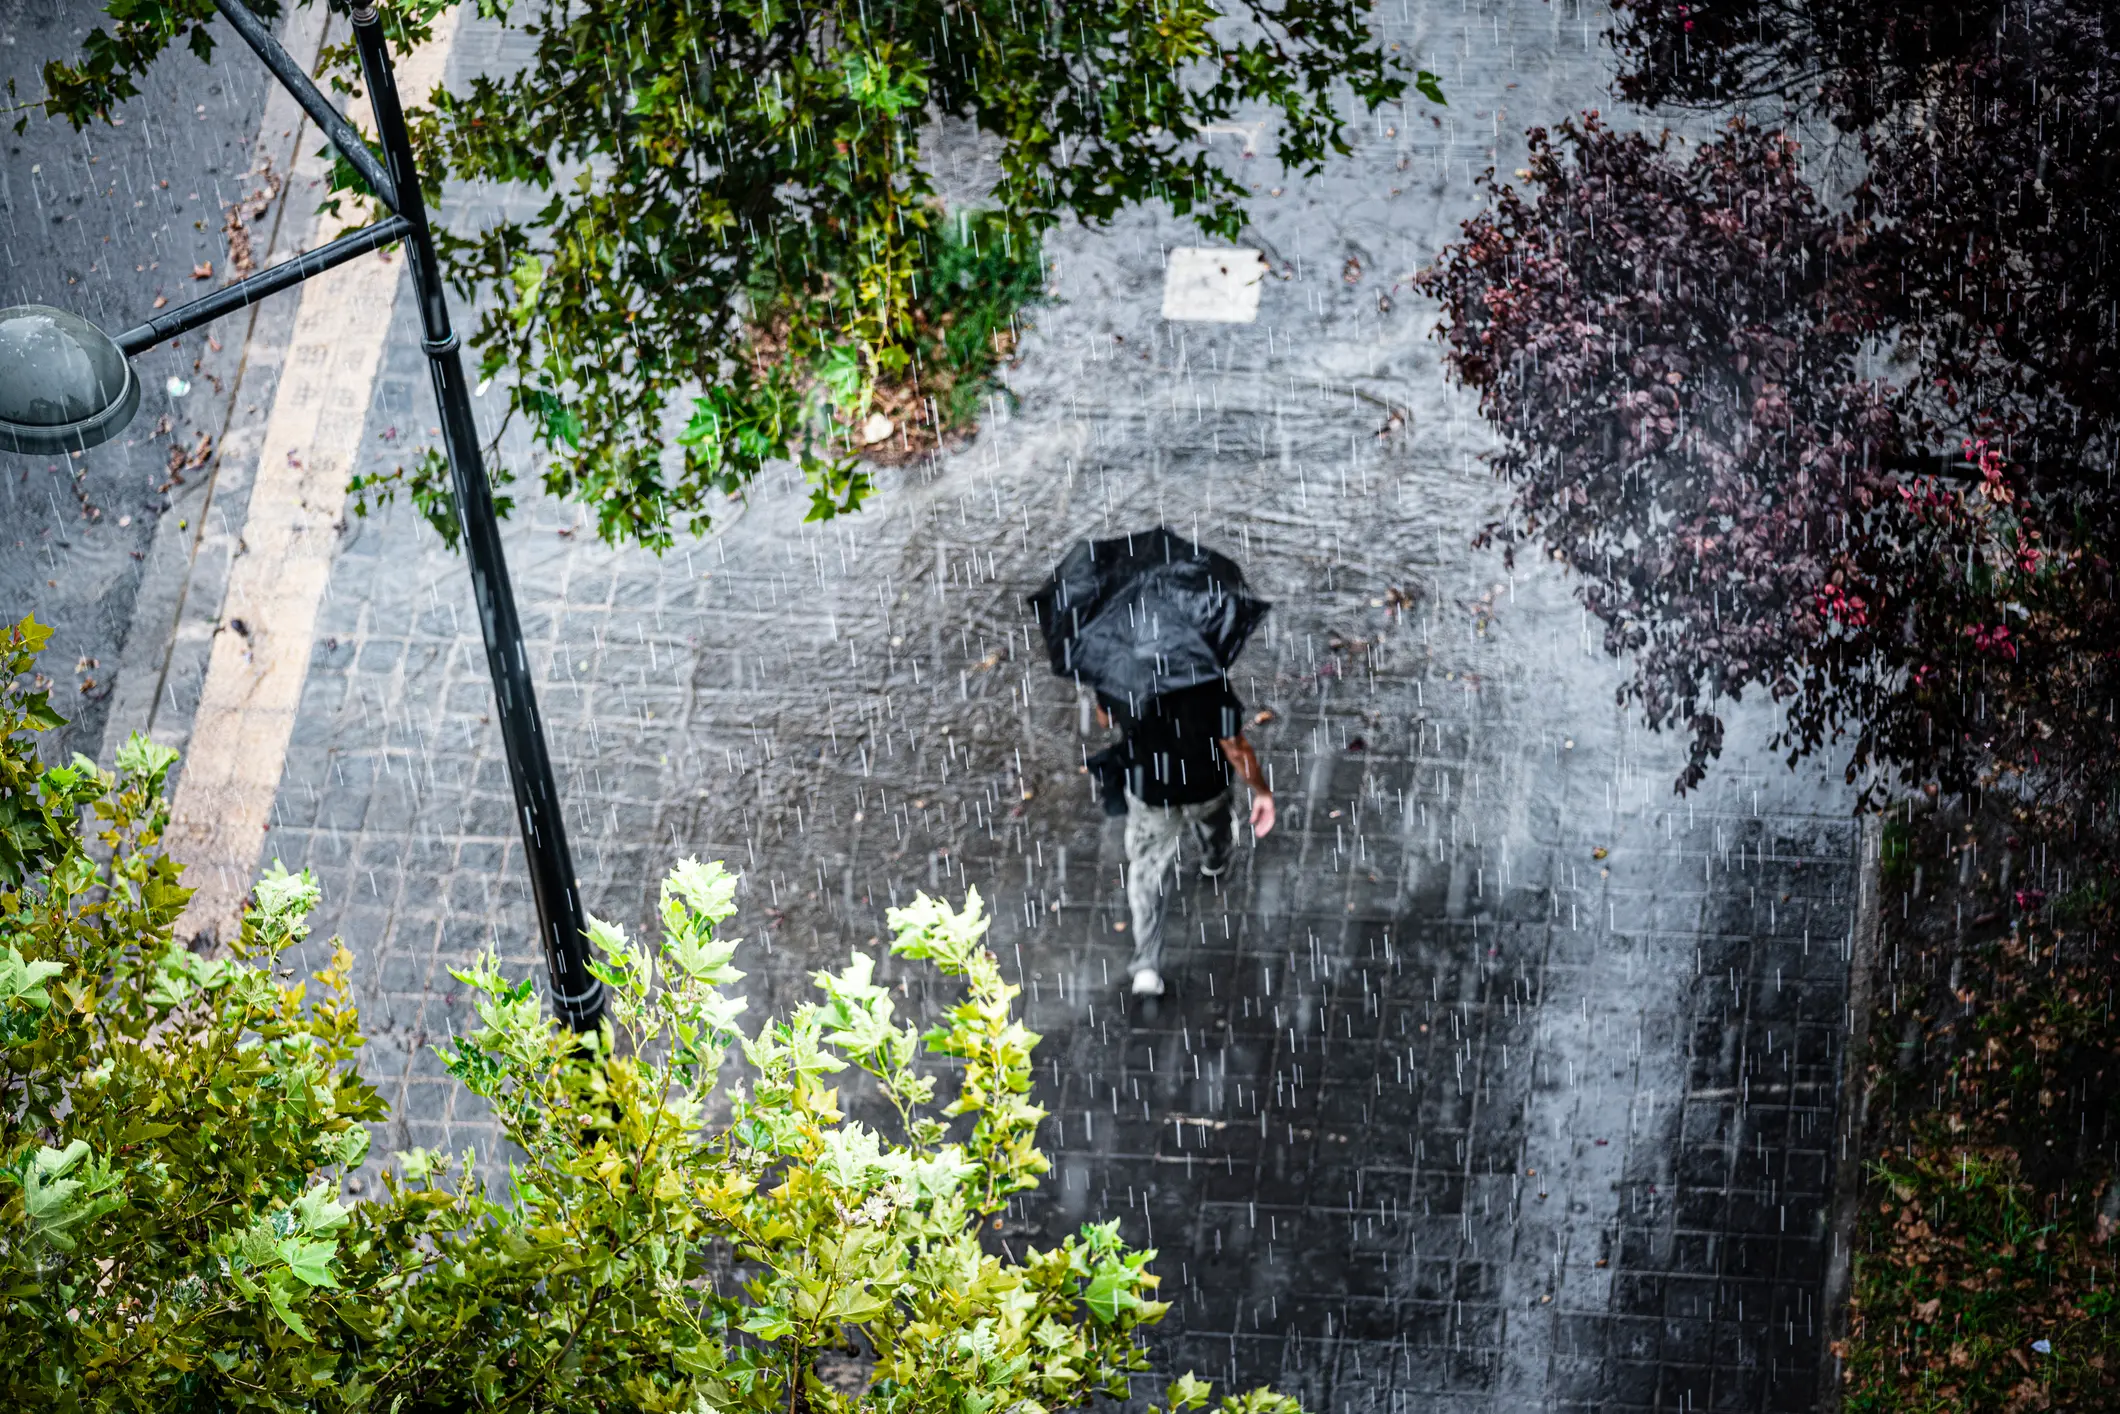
[65, 386]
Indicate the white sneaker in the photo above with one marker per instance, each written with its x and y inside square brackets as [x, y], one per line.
[1148, 983]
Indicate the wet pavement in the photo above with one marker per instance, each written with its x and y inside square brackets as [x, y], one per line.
[1497, 1078]
[106, 222]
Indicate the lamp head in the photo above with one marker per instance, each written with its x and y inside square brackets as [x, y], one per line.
[64, 384]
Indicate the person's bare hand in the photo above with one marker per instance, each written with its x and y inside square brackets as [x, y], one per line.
[1262, 814]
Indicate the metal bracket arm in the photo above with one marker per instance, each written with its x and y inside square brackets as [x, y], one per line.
[313, 102]
[269, 281]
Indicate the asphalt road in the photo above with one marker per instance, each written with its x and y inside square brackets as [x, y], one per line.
[106, 221]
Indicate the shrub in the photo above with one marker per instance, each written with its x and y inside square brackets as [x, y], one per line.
[176, 1130]
[984, 278]
[171, 1128]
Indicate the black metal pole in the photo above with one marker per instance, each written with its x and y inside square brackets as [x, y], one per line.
[304, 91]
[577, 996]
[269, 281]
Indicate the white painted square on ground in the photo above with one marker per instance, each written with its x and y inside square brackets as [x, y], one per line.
[1209, 286]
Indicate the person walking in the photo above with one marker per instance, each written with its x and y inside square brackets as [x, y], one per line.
[1152, 622]
[1181, 753]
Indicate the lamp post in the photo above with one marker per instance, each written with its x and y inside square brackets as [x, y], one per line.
[65, 386]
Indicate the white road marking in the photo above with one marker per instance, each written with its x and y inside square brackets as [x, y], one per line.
[1207, 286]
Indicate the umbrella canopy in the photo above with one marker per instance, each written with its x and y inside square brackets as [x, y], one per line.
[1145, 614]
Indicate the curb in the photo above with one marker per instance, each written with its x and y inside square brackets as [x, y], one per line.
[1863, 940]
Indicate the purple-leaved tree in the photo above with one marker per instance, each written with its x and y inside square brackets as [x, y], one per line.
[1856, 454]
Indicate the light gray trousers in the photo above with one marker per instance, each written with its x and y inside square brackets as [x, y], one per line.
[1154, 835]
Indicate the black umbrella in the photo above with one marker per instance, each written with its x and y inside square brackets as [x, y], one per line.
[1145, 614]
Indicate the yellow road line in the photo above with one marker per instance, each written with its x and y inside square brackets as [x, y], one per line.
[268, 620]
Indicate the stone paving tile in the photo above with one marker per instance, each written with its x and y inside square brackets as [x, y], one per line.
[1444, 1112]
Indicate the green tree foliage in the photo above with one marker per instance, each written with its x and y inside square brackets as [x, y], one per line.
[740, 229]
[175, 1132]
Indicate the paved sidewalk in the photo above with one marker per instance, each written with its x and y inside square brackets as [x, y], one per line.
[1496, 1079]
